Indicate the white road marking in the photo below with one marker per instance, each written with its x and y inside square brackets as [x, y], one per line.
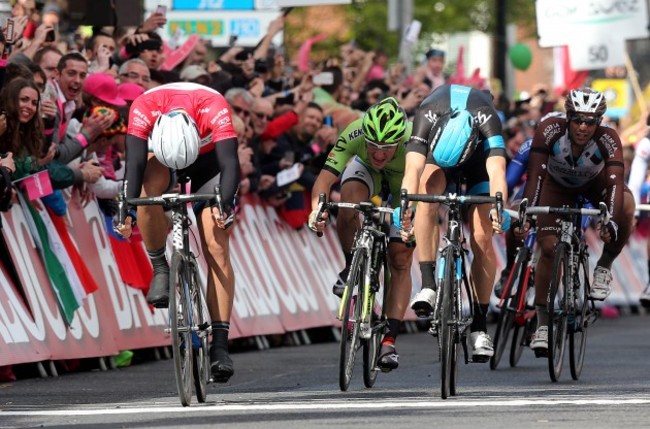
[299, 406]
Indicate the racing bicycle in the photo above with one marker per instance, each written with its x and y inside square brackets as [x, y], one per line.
[571, 310]
[189, 321]
[361, 325]
[452, 313]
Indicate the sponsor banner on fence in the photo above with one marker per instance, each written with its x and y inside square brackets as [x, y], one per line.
[283, 283]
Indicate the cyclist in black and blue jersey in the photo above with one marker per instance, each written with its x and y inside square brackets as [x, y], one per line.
[457, 130]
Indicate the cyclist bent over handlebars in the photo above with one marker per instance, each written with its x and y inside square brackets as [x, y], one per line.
[456, 130]
[189, 127]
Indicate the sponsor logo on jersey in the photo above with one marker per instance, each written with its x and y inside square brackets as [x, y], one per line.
[355, 133]
[223, 121]
[431, 117]
[609, 144]
[340, 145]
[142, 116]
[551, 131]
[139, 122]
[205, 110]
[482, 118]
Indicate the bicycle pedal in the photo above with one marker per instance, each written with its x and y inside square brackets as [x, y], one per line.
[480, 359]
[541, 353]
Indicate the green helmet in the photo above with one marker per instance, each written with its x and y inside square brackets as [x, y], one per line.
[385, 122]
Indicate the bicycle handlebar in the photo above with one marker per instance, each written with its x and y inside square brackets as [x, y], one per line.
[600, 212]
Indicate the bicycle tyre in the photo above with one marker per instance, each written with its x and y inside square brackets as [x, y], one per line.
[581, 312]
[372, 346]
[505, 321]
[522, 326]
[445, 329]
[201, 322]
[350, 337]
[557, 311]
[179, 316]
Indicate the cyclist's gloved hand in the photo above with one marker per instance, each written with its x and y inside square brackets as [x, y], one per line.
[609, 232]
[314, 224]
[397, 216]
[506, 220]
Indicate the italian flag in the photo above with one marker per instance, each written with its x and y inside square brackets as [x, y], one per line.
[69, 276]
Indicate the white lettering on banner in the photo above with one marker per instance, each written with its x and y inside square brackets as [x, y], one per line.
[303, 275]
[11, 330]
[33, 288]
[90, 321]
[324, 268]
[267, 229]
[268, 302]
[116, 290]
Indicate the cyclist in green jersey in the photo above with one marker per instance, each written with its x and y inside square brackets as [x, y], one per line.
[367, 154]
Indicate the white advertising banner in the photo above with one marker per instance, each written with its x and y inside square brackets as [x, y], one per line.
[597, 53]
[567, 22]
[217, 27]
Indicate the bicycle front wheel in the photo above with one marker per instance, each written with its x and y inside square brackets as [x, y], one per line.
[583, 310]
[557, 311]
[200, 325]
[445, 325]
[372, 345]
[180, 321]
[351, 312]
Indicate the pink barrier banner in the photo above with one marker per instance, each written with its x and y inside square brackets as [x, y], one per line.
[283, 283]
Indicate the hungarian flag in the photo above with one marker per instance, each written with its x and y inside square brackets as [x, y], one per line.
[63, 290]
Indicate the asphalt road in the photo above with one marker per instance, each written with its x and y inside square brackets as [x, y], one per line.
[297, 387]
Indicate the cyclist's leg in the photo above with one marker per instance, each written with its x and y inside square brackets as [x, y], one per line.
[601, 286]
[358, 184]
[153, 226]
[215, 243]
[399, 259]
[552, 195]
[427, 235]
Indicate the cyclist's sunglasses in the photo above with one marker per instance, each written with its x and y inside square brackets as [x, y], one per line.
[376, 146]
[587, 120]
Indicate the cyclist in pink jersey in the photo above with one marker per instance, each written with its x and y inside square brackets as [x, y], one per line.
[188, 127]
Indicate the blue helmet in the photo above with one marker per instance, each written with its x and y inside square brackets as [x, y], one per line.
[455, 140]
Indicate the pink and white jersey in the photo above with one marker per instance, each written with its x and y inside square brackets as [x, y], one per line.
[207, 107]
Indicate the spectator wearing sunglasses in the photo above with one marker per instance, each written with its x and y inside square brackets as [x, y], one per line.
[369, 154]
[570, 157]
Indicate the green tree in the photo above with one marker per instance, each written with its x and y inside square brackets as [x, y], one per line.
[365, 21]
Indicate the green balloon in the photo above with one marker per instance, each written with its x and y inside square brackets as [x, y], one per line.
[520, 56]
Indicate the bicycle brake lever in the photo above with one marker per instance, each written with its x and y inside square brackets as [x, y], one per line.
[321, 209]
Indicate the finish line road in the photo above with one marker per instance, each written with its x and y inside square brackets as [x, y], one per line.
[297, 387]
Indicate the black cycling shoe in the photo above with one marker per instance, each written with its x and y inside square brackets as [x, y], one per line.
[221, 365]
[388, 358]
[158, 295]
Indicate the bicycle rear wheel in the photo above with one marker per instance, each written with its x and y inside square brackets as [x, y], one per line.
[524, 320]
[200, 325]
[180, 321]
[557, 311]
[351, 316]
[580, 321]
[505, 322]
[445, 326]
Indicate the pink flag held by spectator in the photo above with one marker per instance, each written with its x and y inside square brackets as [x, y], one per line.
[177, 56]
[37, 185]
[305, 50]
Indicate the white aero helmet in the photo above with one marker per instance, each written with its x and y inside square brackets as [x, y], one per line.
[175, 139]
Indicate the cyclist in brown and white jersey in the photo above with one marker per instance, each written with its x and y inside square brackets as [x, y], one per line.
[570, 157]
